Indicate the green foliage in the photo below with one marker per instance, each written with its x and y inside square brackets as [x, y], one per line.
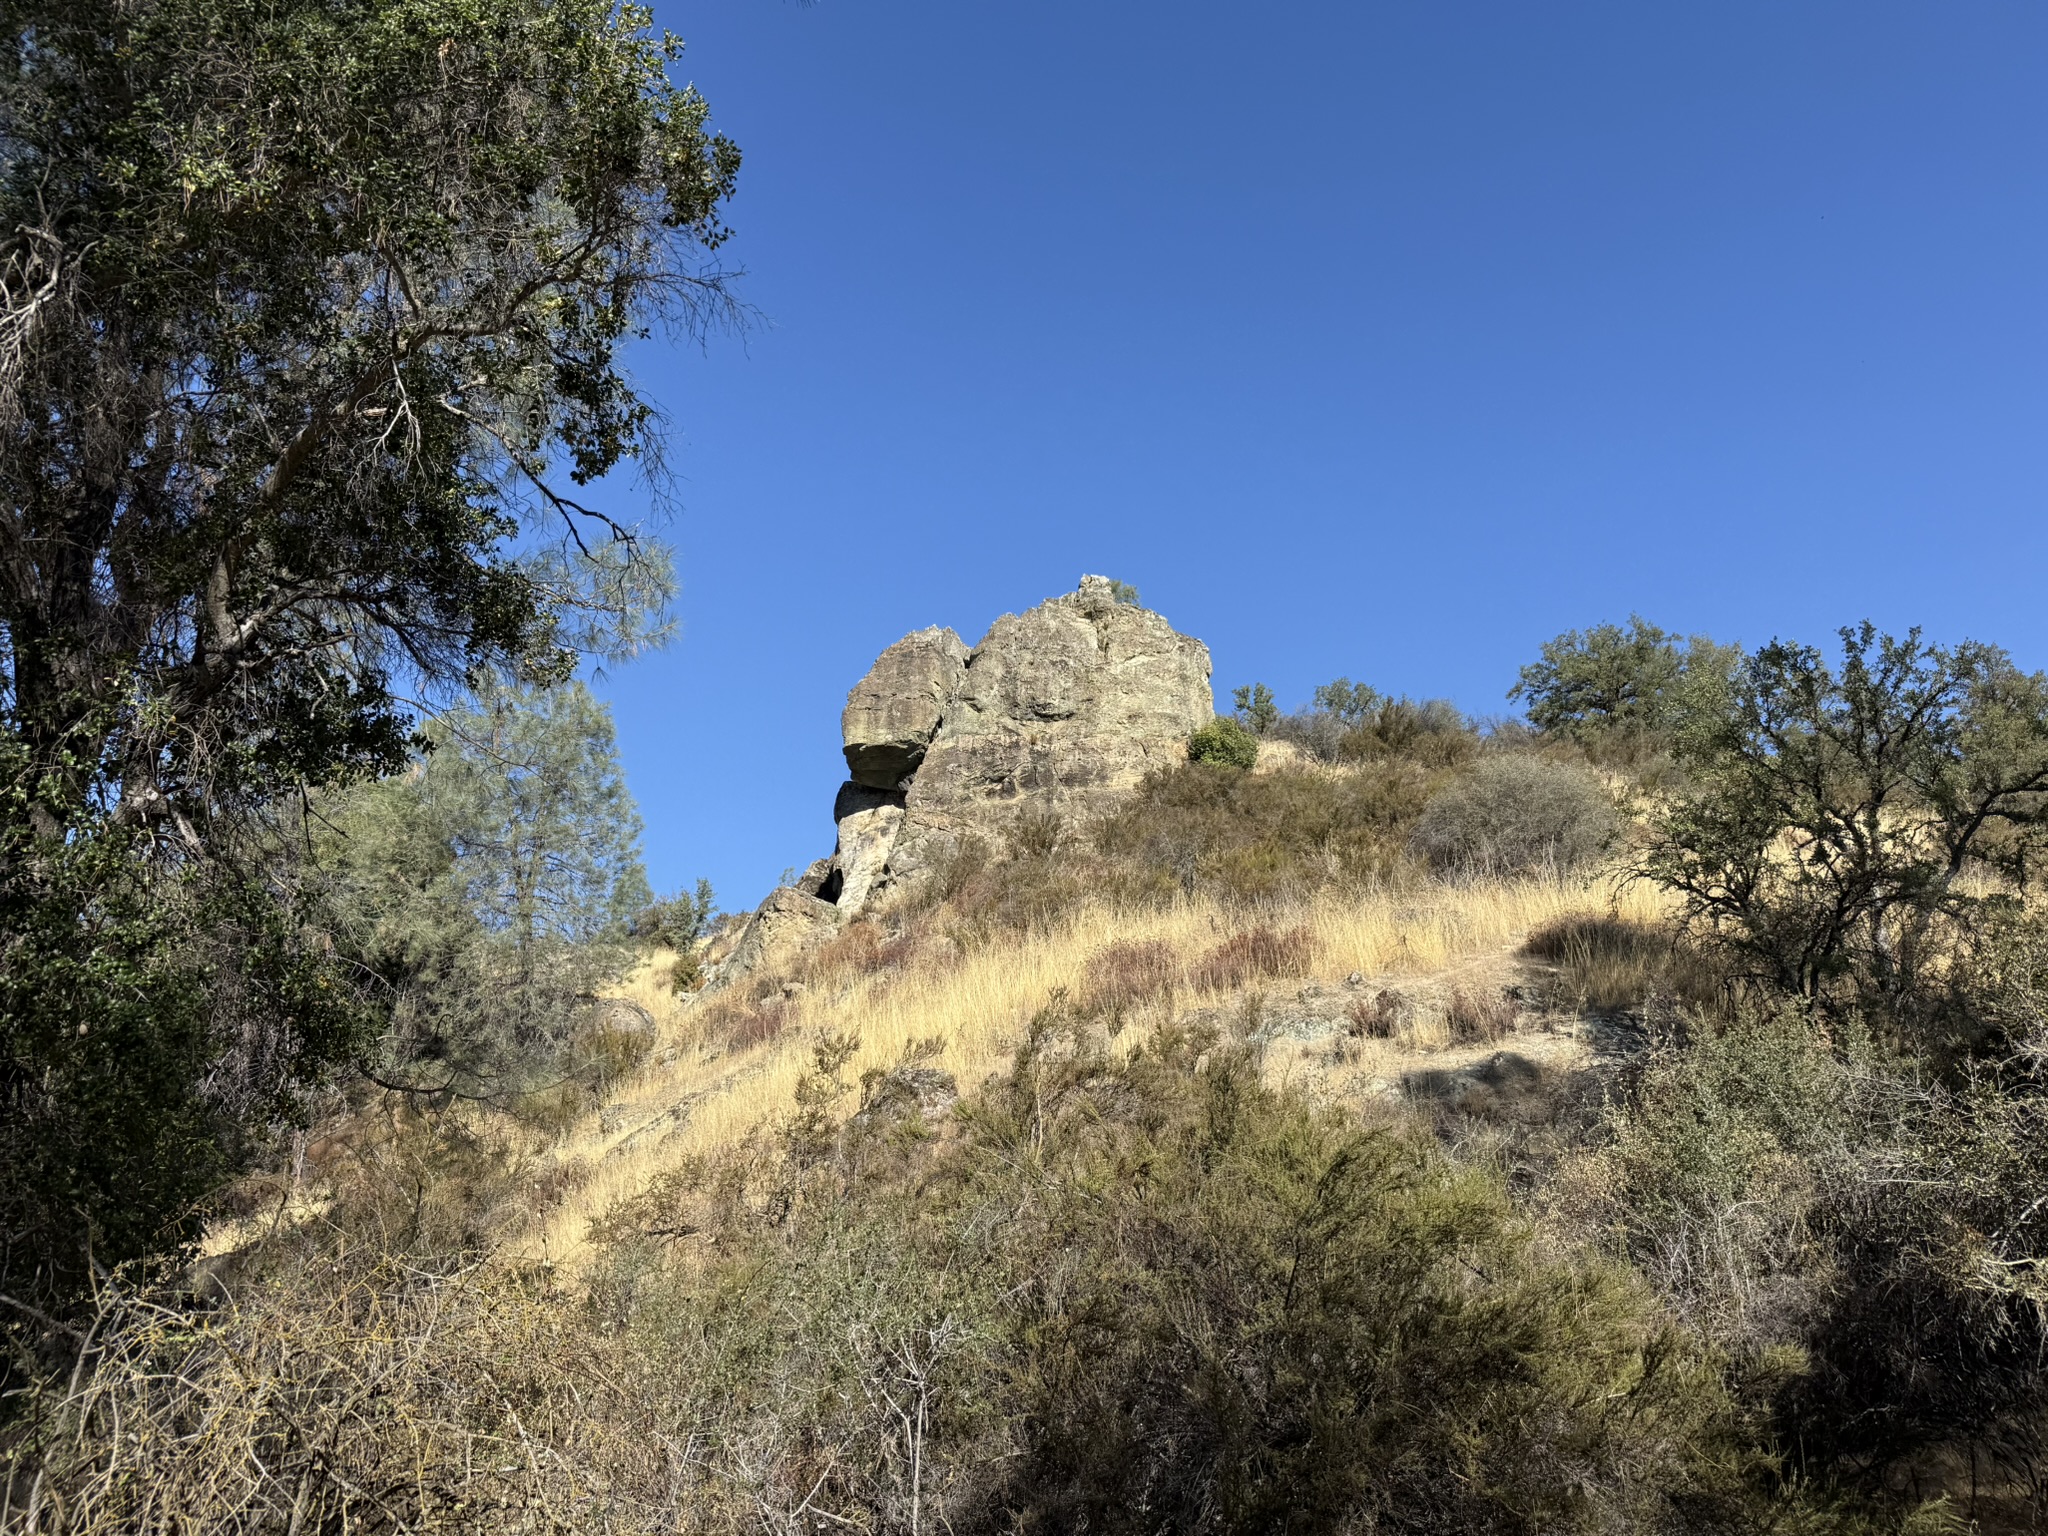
[1350, 723]
[677, 922]
[1516, 813]
[144, 1050]
[1224, 743]
[1256, 710]
[1429, 731]
[1257, 836]
[1835, 813]
[1622, 690]
[489, 891]
[315, 310]
[1144, 1291]
[328, 290]
[1859, 1241]
[1124, 592]
[1347, 702]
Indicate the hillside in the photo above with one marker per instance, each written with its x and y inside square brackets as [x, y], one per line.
[1142, 1120]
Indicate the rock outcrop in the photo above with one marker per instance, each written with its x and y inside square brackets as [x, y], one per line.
[1057, 710]
[894, 712]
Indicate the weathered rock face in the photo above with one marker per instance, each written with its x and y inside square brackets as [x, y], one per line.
[789, 921]
[1059, 709]
[893, 712]
[869, 820]
[1062, 708]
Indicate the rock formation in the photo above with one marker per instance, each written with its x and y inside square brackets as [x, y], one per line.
[1059, 709]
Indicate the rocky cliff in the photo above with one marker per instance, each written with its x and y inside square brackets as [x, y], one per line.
[1057, 710]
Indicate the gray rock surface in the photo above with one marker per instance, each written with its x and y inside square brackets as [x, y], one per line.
[869, 820]
[893, 712]
[1059, 709]
[787, 923]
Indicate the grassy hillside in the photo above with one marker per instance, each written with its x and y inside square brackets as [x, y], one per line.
[1357, 1143]
[712, 1082]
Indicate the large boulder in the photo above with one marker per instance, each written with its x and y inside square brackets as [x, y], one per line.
[893, 712]
[1058, 710]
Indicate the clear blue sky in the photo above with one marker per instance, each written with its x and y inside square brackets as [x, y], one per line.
[1383, 340]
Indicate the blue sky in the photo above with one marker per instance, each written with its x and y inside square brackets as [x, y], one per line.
[1377, 340]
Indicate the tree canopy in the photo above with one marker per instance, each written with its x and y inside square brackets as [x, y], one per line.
[1619, 687]
[487, 892]
[1836, 810]
[312, 323]
[311, 328]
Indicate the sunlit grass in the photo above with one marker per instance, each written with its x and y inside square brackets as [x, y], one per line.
[978, 1001]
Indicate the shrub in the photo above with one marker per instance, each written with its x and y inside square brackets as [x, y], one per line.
[1377, 1017]
[1474, 1018]
[361, 1397]
[1127, 976]
[1038, 833]
[1710, 1178]
[1317, 732]
[612, 1041]
[1224, 743]
[677, 921]
[1257, 954]
[1833, 809]
[1261, 836]
[1204, 1307]
[1428, 731]
[1255, 707]
[1611, 965]
[1515, 814]
[1622, 693]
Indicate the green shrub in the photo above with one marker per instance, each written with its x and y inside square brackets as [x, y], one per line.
[1261, 836]
[1514, 814]
[1429, 731]
[1127, 1295]
[1256, 708]
[1833, 809]
[1225, 743]
[1622, 693]
[1350, 722]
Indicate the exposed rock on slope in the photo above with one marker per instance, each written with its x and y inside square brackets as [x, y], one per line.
[1058, 709]
[894, 712]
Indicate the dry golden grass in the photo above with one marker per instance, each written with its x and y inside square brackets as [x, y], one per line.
[700, 1092]
[373, 1397]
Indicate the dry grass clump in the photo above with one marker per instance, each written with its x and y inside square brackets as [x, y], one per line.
[1130, 975]
[1377, 1017]
[371, 1397]
[1479, 1016]
[1609, 963]
[756, 1024]
[862, 948]
[1260, 953]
